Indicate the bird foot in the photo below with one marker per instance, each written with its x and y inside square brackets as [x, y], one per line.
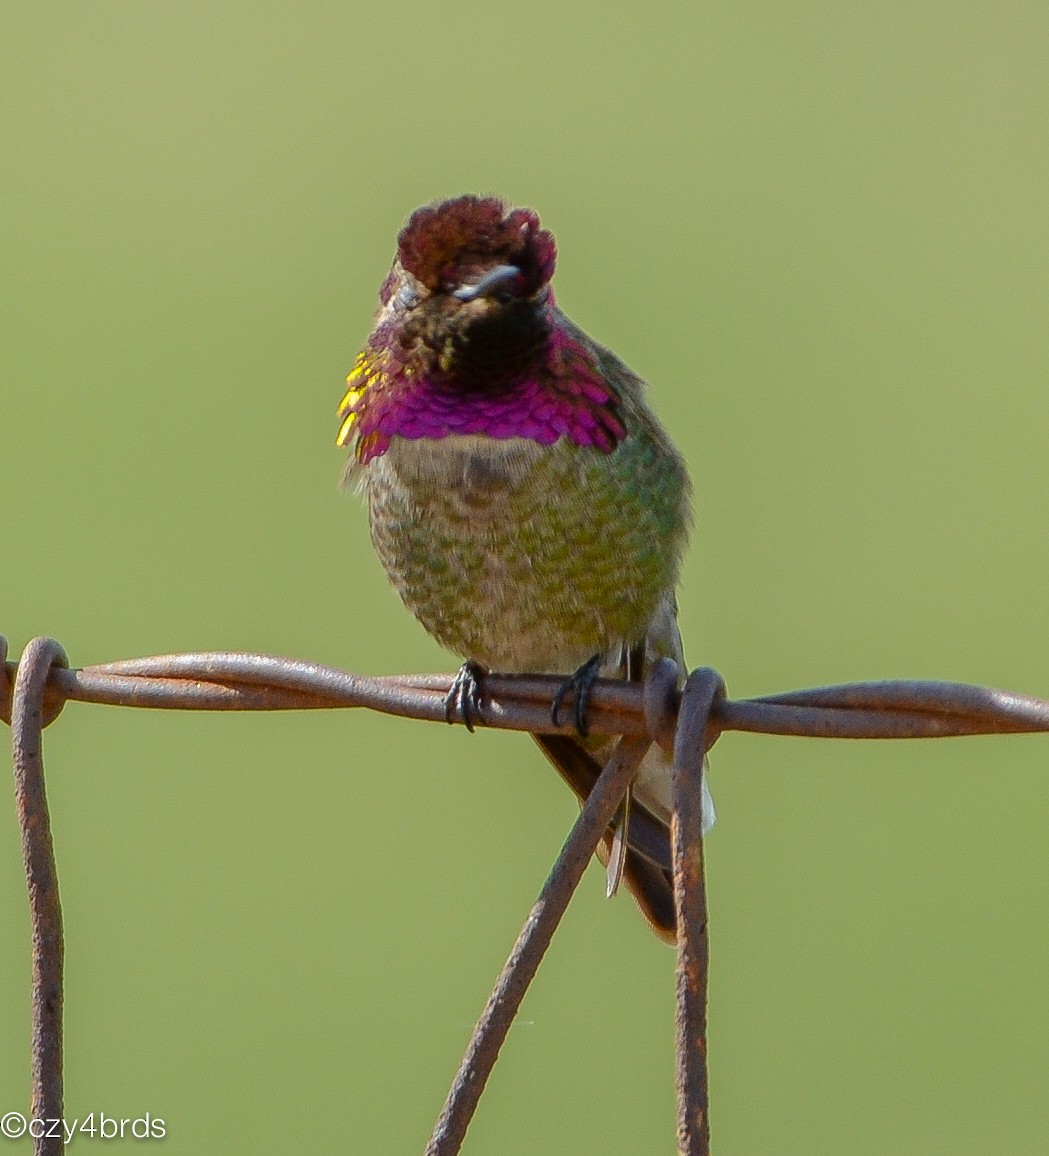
[464, 697]
[579, 686]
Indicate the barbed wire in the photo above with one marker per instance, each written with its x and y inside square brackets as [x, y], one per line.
[684, 723]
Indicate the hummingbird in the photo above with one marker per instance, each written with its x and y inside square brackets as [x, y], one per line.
[522, 496]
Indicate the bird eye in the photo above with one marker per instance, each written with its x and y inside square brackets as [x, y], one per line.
[406, 298]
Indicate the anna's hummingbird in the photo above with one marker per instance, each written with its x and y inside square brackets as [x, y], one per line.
[524, 500]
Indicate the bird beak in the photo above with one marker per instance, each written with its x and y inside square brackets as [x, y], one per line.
[503, 278]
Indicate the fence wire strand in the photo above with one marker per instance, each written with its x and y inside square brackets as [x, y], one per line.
[685, 724]
[28, 718]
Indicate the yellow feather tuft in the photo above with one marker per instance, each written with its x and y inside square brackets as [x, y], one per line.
[346, 430]
[364, 374]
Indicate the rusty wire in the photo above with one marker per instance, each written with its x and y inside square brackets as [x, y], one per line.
[33, 692]
[27, 723]
[531, 945]
[702, 690]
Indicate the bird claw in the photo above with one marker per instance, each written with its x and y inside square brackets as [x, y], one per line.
[464, 696]
[578, 685]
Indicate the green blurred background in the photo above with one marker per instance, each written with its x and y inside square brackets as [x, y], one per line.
[820, 231]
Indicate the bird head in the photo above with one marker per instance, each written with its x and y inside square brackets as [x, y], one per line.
[468, 297]
[468, 338]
